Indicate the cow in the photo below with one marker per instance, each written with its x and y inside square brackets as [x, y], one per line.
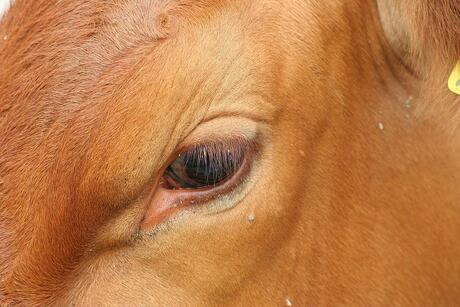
[240, 153]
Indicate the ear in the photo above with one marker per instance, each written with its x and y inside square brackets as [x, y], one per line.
[424, 33]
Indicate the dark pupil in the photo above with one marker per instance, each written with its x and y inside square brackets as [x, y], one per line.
[203, 166]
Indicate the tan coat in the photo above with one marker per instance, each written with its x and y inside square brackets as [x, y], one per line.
[350, 195]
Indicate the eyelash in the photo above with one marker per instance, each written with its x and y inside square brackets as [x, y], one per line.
[223, 159]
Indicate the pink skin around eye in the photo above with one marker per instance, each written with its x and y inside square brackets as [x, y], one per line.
[164, 202]
[165, 206]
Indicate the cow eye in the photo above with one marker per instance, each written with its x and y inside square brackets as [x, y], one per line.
[205, 166]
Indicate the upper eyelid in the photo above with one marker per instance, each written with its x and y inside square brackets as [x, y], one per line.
[240, 141]
[221, 129]
[215, 149]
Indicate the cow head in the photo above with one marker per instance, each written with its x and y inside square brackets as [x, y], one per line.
[199, 152]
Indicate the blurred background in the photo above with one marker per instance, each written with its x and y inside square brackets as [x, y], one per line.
[4, 5]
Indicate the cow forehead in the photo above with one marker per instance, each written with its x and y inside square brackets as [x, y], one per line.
[93, 50]
[177, 83]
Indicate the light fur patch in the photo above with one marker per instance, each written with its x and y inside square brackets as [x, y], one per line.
[4, 5]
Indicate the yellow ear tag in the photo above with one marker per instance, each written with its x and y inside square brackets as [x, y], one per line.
[454, 80]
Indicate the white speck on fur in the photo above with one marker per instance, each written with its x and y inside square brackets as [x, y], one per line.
[5, 37]
[251, 218]
[408, 102]
[381, 126]
[288, 302]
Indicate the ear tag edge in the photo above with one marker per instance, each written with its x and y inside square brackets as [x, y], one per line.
[454, 79]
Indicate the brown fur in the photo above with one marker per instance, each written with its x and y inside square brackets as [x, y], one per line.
[355, 194]
[426, 37]
[423, 31]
